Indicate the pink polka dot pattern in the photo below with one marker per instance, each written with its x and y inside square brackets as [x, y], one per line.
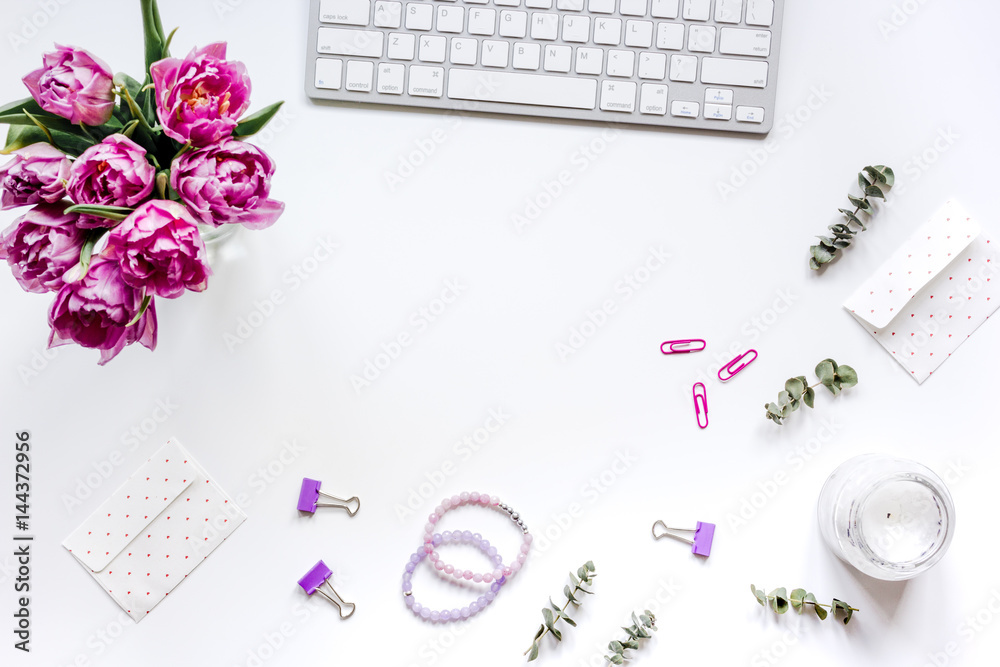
[933, 293]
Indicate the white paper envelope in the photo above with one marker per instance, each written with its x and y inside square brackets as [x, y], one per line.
[154, 530]
[929, 297]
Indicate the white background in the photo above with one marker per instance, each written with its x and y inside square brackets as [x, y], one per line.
[890, 96]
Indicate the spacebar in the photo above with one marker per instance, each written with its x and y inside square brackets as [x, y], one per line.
[547, 91]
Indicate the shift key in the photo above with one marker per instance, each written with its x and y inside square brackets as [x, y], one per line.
[728, 72]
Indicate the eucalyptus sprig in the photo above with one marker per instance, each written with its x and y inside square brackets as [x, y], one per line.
[552, 614]
[832, 376]
[779, 601]
[869, 180]
[638, 630]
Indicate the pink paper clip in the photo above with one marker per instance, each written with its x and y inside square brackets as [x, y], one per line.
[704, 534]
[682, 346]
[729, 371]
[700, 404]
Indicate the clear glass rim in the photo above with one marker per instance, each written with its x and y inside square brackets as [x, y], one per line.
[945, 505]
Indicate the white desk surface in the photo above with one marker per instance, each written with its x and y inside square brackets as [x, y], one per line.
[733, 263]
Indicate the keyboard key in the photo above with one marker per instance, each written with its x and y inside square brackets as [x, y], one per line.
[760, 12]
[728, 11]
[477, 2]
[621, 63]
[601, 6]
[428, 81]
[632, 7]
[345, 12]
[495, 53]
[639, 33]
[618, 96]
[718, 96]
[701, 39]
[517, 88]
[739, 42]
[390, 78]
[608, 31]
[750, 114]
[576, 29]
[684, 109]
[328, 72]
[419, 16]
[450, 19]
[463, 51]
[653, 99]
[526, 55]
[670, 36]
[401, 46]
[718, 111]
[570, 5]
[652, 65]
[544, 26]
[538, 4]
[697, 10]
[359, 75]
[513, 24]
[507, 3]
[589, 61]
[726, 72]
[664, 9]
[388, 14]
[558, 58]
[432, 48]
[347, 42]
[482, 21]
[683, 68]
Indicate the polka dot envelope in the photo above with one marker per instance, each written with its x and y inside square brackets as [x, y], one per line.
[933, 293]
[155, 530]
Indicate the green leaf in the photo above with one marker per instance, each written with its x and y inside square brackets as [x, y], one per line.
[796, 597]
[779, 601]
[616, 659]
[533, 653]
[862, 181]
[809, 397]
[874, 191]
[547, 615]
[616, 646]
[857, 201]
[820, 611]
[825, 371]
[645, 620]
[590, 565]
[890, 177]
[848, 376]
[117, 213]
[152, 31]
[540, 632]
[573, 580]
[19, 136]
[794, 386]
[255, 122]
[146, 300]
[875, 174]
[813, 264]
[759, 594]
[631, 633]
[851, 217]
[845, 608]
[821, 254]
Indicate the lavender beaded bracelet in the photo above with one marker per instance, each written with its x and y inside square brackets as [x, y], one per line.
[484, 500]
[446, 615]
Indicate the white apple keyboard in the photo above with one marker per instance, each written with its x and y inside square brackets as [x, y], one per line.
[705, 64]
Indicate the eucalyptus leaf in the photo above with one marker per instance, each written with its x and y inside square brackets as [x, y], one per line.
[857, 201]
[533, 652]
[794, 386]
[874, 191]
[820, 254]
[890, 177]
[809, 397]
[875, 175]
[796, 597]
[847, 375]
[825, 371]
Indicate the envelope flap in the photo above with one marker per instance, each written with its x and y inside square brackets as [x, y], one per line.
[929, 251]
[130, 509]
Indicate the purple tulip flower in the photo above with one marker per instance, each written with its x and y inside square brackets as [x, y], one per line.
[73, 84]
[114, 172]
[37, 173]
[41, 245]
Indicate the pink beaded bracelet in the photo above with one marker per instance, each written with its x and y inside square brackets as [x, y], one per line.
[484, 500]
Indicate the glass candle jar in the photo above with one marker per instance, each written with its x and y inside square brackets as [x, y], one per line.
[890, 518]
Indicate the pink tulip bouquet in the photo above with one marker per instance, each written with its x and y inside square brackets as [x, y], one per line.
[119, 174]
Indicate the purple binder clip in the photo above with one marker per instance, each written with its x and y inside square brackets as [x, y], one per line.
[704, 533]
[729, 371]
[309, 498]
[682, 346]
[319, 576]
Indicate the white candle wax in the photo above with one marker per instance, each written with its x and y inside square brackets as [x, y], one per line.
[902, 521]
